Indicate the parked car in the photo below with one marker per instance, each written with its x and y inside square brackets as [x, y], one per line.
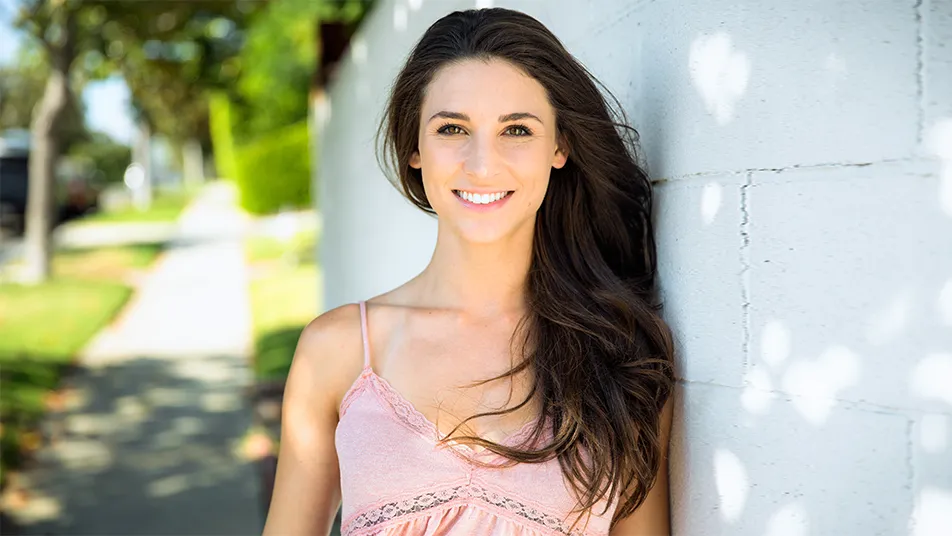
[75, 193]
[14, 178]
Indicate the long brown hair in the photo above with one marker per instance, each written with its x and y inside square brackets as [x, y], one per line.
[601, 355]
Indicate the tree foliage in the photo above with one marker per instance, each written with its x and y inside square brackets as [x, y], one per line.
[21, 87]
[278, 61]
[105, 157]
[171, 54]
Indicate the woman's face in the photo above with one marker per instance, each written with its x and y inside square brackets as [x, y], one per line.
[486, 129]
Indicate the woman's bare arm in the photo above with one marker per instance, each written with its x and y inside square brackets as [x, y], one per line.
[652, 518]
[307, 484]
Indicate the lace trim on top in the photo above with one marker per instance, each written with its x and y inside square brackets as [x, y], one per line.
[354, 390]
[403, 409]
[428, 501]
[412, 418]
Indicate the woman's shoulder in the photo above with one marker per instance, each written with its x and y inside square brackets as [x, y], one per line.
[333, 328]
[329, 353]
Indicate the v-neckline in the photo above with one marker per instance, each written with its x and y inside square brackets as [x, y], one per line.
[422, 424]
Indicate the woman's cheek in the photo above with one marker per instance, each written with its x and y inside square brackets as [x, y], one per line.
[444, 159]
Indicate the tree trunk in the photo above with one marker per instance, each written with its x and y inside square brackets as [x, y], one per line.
[44, 153]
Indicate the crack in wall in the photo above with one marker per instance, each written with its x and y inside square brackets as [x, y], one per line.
[920, 75]
[910, 453]
[745, 271]
[821, 165]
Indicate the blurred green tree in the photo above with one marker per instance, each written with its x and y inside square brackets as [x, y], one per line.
[278, 62]
[260, 129]
[169, 52]
[21, 87]
[172, 53]
[109, 158]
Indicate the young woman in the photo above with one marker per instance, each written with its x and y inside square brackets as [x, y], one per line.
[520, 383]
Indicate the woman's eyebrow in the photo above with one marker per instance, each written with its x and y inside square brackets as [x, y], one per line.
[517, 116]
[502, 118]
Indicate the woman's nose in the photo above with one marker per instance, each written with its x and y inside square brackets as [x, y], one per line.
[480, 157]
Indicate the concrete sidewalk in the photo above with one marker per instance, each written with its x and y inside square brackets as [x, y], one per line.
[147, 442]
[80, 234]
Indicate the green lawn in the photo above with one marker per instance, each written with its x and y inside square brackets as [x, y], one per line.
[43, 327]
[104, 263]
[285, 290]
[285, 293]
[165, 207]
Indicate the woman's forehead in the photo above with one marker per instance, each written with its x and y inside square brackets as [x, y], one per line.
[485, 89]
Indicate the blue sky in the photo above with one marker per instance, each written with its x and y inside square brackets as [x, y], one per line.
[107, 101]
[9, 41]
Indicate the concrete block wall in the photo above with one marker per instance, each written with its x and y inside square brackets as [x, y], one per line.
[802, 153]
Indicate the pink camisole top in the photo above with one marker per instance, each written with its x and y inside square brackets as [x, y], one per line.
[397, 481]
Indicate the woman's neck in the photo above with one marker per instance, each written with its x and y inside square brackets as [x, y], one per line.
[482, 279]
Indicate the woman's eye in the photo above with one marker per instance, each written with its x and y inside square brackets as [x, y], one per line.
[450, 129]
[519, 130]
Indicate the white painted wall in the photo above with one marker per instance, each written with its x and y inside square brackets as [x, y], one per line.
[803, 152]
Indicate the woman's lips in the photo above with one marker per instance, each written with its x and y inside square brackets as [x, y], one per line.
[484, 207]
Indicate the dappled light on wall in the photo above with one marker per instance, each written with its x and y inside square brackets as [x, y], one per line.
[940, 145]
[358, 51]
[719, 73]
[732, 483]
[932, 515]
[791, 520]
[758, 392]
[400, 17]
[934, 433]
[774, 350]
[711, 200]
[817, 383]
[775, 343]
[932, 377]
[945, 303]
[888, 323]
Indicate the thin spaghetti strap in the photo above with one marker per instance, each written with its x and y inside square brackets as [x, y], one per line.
[363, 333]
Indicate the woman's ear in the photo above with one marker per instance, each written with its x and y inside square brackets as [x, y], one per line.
[415, 160]
[561, 153]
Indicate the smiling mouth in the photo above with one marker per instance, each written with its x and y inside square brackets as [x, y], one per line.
[483, 199]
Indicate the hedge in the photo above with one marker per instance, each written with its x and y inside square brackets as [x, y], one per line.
[274, 171]
[223, 141]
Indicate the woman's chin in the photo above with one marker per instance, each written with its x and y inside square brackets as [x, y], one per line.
[483, 234]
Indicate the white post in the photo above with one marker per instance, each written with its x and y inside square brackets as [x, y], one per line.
[193, 164]
[142, 156]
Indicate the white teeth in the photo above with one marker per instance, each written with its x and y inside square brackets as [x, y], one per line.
[481, 199]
